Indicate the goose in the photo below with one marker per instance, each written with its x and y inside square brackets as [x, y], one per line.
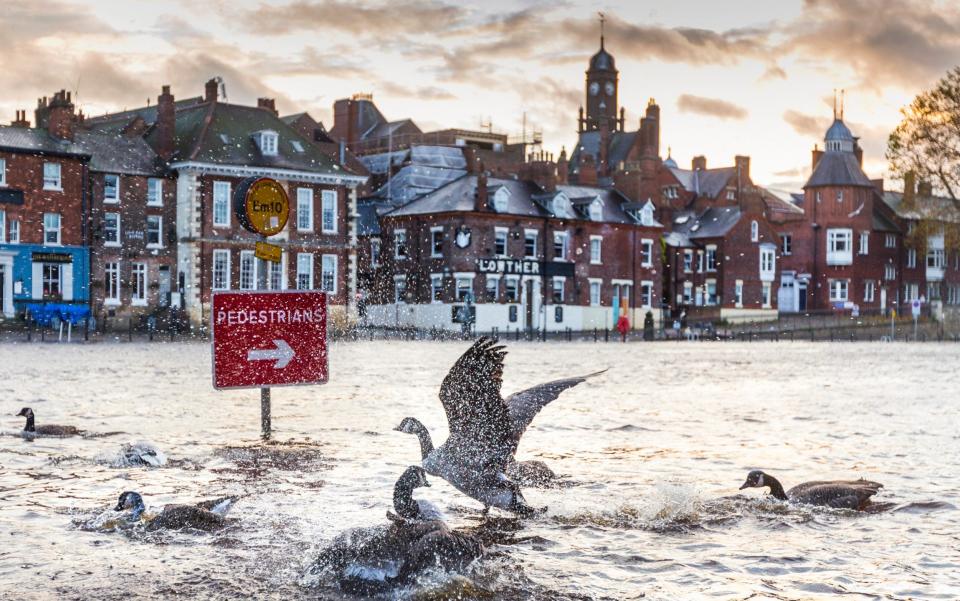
[206, 515]
[840, 494]
[30, 429]
[369, 558]
[485, 428]
[134, 454]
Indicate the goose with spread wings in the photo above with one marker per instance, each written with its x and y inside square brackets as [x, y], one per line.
[485, 428]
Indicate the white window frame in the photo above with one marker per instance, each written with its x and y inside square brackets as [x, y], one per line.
[648, 284]
[835, 237]
[155, 194]
[159, 242]
[786, 244]
[111, 200]
[889, 272]
[492, 283]
[111, 270]
[527, 236]
[646, 252]
[687, 295]
[768, 262]
[248, 270]
[305, 258]
[278, 269]
[869, 291]
[304, 209]
[14, 226]
[328, 205]
[706, 293]
[52, 181]
[400, 284]
[458, 278]
[268, 142]
[325, 261]
[117, 242]
[596, 210]
[58, 229]
[766, 292]
[3, 172]
[911, 258]
[436, 235]
[688, 260]
[501, 233]
[221, 199]
[710, 257]
[138, 284]
[596, 291]
[890, 241]
[3, 234]
[220, 259]
[738, 294]
[864, 243]
[562, 280]
[838, 286]
[563, 238]
[400, 239]
[754, 231]
[596, 250]
[514, 282]
[436, 288]
[375, 252]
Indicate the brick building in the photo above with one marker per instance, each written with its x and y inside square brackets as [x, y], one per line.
[523, 253]
[44, 205]
[209, 147]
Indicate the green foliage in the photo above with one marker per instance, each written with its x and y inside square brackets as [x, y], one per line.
[927, 141]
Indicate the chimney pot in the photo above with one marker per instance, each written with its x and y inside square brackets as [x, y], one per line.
[210, 90]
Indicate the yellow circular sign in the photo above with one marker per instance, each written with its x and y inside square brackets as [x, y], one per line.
[264, 207]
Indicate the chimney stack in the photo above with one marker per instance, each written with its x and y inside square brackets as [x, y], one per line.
[743, 169]
[481, 198]
[699, 163]
[562, 166]
[269, 104]
[817, 154]
[210, 90]
[924, 189]
[166, 120]
[21, 120]
[56, 115]
[909, 188]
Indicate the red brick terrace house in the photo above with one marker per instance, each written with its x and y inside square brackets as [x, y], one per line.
[211, 146]
[527, 254]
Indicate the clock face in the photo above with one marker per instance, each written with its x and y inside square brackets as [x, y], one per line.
[609, 88]
[594, 88]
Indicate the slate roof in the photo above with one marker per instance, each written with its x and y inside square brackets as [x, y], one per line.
[115, 122]
[838, 169]
[368, 221]
[613, 202]
[714, 222]
[589, 143]
[112, 153]
[704, 182]
[924, 207]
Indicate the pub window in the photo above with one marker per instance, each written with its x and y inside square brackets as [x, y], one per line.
[436, 288]
[304, 271]
[646, 253]
[274, 275]
[558, 314]
[221, 269]
[138, 290]
[154, 191]
[596, 246]
[492, 289]
[436, 242]
[464, 289]
[111, 188]
[248, 270]
[154, 231]
[400, 244]
[688, 260]
[328, 199]
[221, 204]
[51, 228]
[328, 273]
[111, 229]
[500, 242]
[512, 290]
[305, 209]
[560, 245]
[400, 290]
[111, 283]
[558, 290]
[711, 258]
[530, 245]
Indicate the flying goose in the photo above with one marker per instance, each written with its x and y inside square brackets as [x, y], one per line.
[485, 428]
[840, 494]
[31, 429]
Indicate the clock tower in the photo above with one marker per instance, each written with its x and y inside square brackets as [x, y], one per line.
[601, 91]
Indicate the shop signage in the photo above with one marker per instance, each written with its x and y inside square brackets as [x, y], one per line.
[42, 257]
[268, 252]
[508, 266]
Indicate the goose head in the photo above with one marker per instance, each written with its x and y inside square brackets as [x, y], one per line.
[411, 425]
[754, 480]
[26, 412]
[415, 476]
[131, 500]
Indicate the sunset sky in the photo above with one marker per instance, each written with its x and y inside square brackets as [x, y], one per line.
[733, 77]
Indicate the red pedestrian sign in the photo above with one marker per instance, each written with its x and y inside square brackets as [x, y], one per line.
[265, 339]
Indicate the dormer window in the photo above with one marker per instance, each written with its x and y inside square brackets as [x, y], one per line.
[500, 199]
[267, 141]
[596, 210]
[671, 192]
[560, 205]
[646, 214]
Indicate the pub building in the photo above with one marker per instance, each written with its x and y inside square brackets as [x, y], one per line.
[44, 257]
[516, 254]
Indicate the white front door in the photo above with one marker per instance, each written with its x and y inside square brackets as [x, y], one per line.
[883, 300]
[6, 284]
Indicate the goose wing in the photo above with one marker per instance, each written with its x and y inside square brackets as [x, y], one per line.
[471, 396]
[523, 406]
[851, 494]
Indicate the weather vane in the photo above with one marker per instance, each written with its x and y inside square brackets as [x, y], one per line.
[603, 18]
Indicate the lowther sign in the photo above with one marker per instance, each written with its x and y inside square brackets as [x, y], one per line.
[269, 339]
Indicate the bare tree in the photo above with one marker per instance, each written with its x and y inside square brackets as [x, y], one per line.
[927, 141]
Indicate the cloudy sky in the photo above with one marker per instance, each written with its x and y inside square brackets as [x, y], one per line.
[732, 77]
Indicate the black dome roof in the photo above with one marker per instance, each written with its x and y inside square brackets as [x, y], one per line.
[602, 60]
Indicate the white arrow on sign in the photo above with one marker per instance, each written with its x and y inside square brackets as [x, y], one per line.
[282, 354]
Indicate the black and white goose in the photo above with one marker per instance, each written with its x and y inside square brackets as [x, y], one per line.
[206, 515]
[485, 428]
[31, 429]
[840, 494]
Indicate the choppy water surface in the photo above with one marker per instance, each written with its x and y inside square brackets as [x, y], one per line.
[653, 450]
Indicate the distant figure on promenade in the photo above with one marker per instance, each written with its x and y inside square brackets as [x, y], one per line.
[623, 326]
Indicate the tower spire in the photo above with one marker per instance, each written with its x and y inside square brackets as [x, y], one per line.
[603, 18]
[834, 104]
[842, 95]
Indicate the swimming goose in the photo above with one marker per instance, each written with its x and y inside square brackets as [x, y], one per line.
[840, 494]
[206, 515]
[367, 558]
[47, 430]
[141, 453]
[485, 428]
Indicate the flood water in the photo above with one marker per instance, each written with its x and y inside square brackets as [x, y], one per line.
[652, 453]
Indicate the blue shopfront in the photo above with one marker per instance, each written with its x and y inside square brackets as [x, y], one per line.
[33, 273]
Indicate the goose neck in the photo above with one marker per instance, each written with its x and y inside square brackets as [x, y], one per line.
[776, 489]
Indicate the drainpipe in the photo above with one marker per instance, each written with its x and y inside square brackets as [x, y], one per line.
[85, 228]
